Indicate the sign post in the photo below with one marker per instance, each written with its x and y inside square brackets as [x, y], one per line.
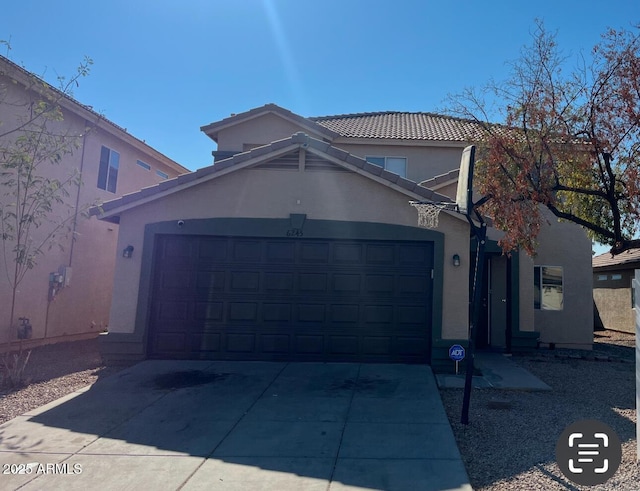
[456, 353]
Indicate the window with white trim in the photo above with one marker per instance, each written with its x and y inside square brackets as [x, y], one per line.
[548, 282]
[164, 175]
[397, 165]
[108, 171]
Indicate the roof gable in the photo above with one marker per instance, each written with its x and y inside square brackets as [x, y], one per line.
[263, 155]
[212, 129]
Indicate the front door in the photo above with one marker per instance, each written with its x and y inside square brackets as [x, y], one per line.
[492, 325]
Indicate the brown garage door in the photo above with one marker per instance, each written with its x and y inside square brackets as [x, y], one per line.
[242, 298]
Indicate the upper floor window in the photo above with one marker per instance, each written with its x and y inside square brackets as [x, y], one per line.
[108, 171]
[397, 165]
[162, 174]
[144, 165]
[547, 287]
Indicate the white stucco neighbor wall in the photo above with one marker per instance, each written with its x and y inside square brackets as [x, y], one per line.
[261, 193]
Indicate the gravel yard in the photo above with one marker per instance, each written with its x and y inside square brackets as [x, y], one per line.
[54, 371]
[514, 449]
[503, 449]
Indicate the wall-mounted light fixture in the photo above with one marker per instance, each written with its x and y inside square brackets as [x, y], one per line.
[127, 252]
[456, 260]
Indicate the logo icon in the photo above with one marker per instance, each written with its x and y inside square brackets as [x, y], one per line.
[588, 452]
[456, 352]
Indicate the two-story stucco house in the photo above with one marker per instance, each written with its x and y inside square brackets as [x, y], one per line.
[67, 295]
[299, 243]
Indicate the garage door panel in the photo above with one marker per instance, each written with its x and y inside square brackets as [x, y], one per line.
[377, 345]
[213, 250]
[312, 282]
[384, 284]
[275, 344]
[245, 281]
[309, 344]
[241, 342]
[211, 280]
[276, 312]
[210, 342]
[348, 313]
[179, 279]
[347, 283]
[410, 345]
[180, 248]
[314, 253]
[343, 345]
[311, 313]
[173, 310]
[414, 255]
[243, 312]
[381, 254]
[291, 299]
[281, 252]
[209, 311]
[411, 314]
[247, 251]
[376, 314]
[348, 253]
[279, 283]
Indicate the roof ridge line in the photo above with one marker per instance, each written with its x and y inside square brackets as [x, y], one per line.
[384, 113]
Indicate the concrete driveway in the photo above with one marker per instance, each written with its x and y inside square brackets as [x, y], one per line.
[239, 425]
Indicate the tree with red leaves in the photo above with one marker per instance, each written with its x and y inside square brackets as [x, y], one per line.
[570, 142]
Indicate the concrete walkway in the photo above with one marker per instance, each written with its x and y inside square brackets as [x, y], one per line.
[498, 372]
[238, 426]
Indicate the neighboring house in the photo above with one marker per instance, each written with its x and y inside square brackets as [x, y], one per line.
[613, 290]
[299, 243]
[112, 163]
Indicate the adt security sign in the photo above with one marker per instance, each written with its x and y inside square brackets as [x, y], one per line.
[456, 352]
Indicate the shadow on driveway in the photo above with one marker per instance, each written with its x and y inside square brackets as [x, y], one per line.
[241, 425]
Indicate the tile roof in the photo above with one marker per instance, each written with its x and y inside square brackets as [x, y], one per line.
[402, 126]
[110, 210]
[606, 260]
[445, 178]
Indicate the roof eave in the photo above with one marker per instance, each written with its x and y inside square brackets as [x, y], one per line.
[23, 76]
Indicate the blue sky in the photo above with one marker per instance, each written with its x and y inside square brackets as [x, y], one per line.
[164, 68]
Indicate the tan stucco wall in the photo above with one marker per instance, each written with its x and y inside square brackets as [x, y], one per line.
[83, 306]
[614, 308]
[260, 130]
[258, 193]
[527, 322]
[567, 245]
[613, 300]
[423, 162]
[424, 159]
